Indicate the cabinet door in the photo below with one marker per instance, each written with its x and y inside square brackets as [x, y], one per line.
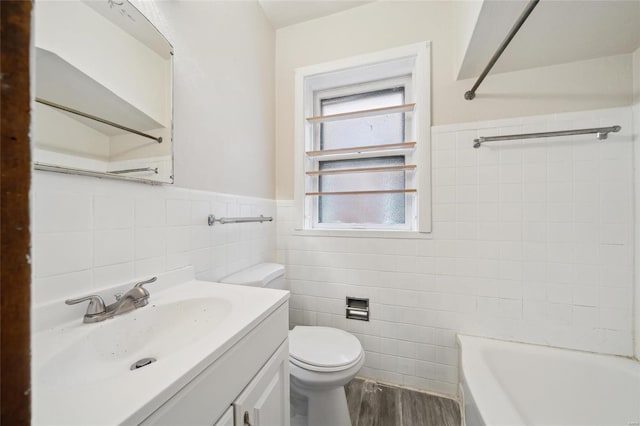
[226, 419]
[265, 401]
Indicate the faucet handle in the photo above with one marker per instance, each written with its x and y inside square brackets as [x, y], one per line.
[96, 304]
[149, 281]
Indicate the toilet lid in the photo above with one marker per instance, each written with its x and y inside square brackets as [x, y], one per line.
[256, 276]
[323, 346]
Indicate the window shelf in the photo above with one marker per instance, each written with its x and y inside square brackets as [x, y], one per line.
[382, 191]
[363, 113]
[362, 170]
[358, 149]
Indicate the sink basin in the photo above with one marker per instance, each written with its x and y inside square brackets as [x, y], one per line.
[107, 349]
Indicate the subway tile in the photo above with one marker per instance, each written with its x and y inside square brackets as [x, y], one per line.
[444, 176]
[178, 239]
[111, 212]
[466, 175]
[534, 310]
[585, 316]
[150, 212]
[511, 193]
[150, 242]
[488, 156]
[444, 159]
[559, 313]
[534, 173]
[112, 246]
[177, 260]
[62, 212]
[443, 141]
[200, 237]
[510, 173]
[511, 153]
[111, 275]
[488, 175]
[62, 286]
[178, 212]
[615, 318]
[150, 267]
[62, 252]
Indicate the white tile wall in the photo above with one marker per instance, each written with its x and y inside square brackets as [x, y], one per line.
[91, 233]
[532, 241]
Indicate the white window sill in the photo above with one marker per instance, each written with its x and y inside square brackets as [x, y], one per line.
[365, 233]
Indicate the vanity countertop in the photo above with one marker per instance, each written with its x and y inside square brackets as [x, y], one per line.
[81, 372]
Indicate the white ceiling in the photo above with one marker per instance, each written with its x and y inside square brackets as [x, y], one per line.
[556, 32]
[282, 13]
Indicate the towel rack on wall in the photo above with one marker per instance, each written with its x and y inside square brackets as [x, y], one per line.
[142, 169]
[601, 133]
[470, 94]
[95, 118]
[211, 220]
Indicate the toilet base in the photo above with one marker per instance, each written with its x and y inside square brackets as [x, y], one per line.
[323, 407]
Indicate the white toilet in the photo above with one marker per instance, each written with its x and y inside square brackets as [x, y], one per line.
[321, 359]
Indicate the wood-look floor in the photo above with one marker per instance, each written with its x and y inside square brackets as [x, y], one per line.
[374, 404]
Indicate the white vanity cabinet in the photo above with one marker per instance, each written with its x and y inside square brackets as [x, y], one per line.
[251, 377]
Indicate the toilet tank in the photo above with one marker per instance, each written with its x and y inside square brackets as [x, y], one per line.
[269, 275]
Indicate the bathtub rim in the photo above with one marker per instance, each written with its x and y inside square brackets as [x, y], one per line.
[492, 404]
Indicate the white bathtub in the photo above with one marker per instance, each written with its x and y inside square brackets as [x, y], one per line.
[504, 383]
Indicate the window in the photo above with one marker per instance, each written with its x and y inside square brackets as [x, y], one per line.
[362, 143]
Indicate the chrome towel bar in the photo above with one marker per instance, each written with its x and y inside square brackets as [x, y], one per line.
[211, 220]
[143, 169]
[601, 133]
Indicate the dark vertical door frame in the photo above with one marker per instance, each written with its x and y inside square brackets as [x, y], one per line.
[15, 181]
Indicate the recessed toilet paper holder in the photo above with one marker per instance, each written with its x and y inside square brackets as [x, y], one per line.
[357, 308]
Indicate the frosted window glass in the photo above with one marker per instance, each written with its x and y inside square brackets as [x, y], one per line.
[362, 208]
[376, 130]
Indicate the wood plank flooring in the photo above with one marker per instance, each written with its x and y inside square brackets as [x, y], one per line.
[375, 404]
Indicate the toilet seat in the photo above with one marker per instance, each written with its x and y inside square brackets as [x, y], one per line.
[323, 349]
[311, 367]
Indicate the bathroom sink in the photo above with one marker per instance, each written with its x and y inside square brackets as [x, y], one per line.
[106, 350]
[187, 326]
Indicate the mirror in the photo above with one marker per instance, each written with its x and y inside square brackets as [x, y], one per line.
[103, 91]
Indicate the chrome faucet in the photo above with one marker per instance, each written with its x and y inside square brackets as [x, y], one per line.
[135, 298]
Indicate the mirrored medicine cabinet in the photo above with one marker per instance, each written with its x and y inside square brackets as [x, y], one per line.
[103, 91]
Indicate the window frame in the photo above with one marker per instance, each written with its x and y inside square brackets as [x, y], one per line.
[409, 132]
[410, 63]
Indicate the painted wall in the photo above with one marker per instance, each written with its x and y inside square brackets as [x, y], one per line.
[636, 127]
[532, 241]
[465, 16]
[224, 94]
[579, 86]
